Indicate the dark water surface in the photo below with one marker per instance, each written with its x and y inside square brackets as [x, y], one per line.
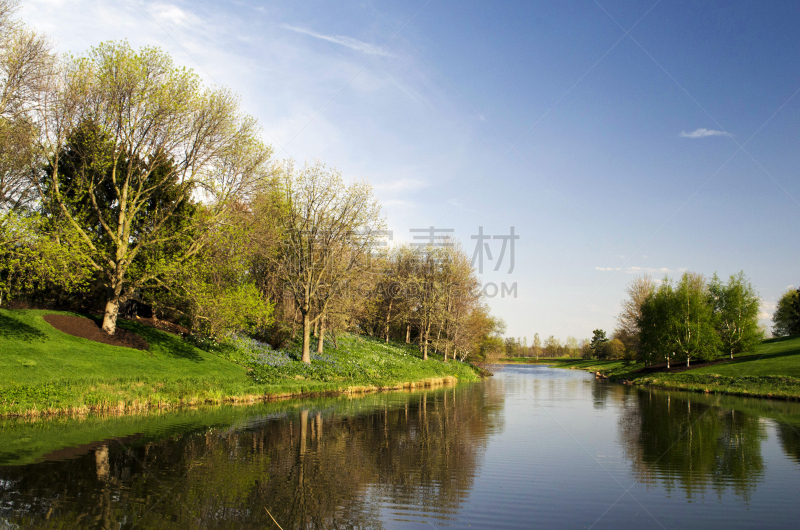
[531, 447]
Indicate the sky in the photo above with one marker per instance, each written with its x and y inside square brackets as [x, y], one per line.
[614, 137]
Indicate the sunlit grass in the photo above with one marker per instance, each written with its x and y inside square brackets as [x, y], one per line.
[47, 371]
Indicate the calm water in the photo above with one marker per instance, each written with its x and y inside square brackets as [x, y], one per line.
[531, 447]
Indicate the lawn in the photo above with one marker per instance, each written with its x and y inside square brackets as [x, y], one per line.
[45, 370]
[772, 370]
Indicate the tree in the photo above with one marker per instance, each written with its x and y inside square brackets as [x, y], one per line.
[654, 344]
[691, 319]
[551, 346]
[598, 339]
[786, 319]
[572, 347]
[736, 307]
[628, 330]
[537, 346]
[151, 129]
[328, 231]
[612, 349]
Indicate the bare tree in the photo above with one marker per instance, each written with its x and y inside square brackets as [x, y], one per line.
[26, 63]
[329, 229]
[627, 330]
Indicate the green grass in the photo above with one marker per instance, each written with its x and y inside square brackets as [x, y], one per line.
[47, 371]
[772, 371]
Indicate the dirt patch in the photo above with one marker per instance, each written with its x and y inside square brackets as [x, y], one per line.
[86, 328]
[163, 325]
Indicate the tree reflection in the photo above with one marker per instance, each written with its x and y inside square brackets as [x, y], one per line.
[679, 441]
[789, 435]
[310, 467]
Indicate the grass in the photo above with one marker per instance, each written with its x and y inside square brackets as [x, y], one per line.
[772, 371]
[47, 371]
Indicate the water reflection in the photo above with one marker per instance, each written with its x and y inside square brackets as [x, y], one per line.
[311, 467]
[683, 442]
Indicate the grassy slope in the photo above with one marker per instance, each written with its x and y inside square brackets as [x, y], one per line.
[774, 371]
[45, 370]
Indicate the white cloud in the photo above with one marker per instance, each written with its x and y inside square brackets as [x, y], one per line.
[607, 268]
[702, 133]
[790, 286]
[767, 310]
[349, 42]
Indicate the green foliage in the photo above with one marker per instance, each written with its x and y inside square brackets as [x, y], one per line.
[679, 319]
[34, 259]
[597, 344]
[736, 307]
[787, 315]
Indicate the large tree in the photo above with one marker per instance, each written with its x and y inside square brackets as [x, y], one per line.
[152, 130]
[329, 228]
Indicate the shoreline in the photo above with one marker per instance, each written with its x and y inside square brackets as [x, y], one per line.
[137, 407]
[708, 383]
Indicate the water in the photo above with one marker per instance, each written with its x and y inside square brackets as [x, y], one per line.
[531, 447]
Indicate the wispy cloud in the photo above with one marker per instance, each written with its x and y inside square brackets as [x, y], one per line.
[348, 42]
[639, 270]
[401, 185]
[703, 133]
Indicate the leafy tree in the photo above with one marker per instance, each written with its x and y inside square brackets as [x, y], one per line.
[215, 289]
[598, 339]
[153, 130]
[654, 345]
[736, 307]
[691, 320]
[612, 349]
[787, 316]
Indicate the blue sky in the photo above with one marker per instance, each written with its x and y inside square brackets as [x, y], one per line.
[617, 137]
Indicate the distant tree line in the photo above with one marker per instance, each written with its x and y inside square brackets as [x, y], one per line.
[550, 348]
[127, 188]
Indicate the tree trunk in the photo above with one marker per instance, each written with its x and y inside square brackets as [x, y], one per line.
[408, 333]
[425, 347]
[320, 342]
[388, 316]
[446, 346]
[306, 338]
[112, 307]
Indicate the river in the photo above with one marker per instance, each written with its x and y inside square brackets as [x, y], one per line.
[531, 447]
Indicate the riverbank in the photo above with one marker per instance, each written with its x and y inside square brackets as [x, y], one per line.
[48, 372]
[772, 371]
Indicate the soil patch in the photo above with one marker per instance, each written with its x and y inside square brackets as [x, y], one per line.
[87, 328]
[163, 325]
